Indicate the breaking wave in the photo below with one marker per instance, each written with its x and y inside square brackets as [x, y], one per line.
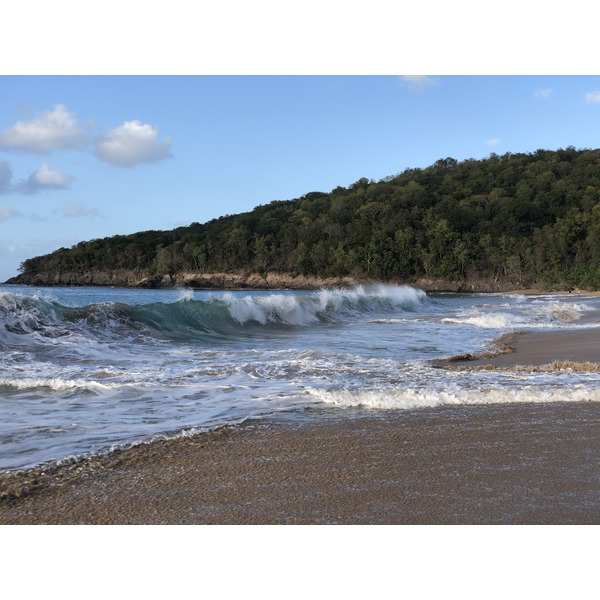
[541, 316]
[228, 316]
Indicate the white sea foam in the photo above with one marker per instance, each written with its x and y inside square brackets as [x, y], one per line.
[490, 321]
[560, 311]
[276, 308]
[54, 383]
[538, 315]
[429, 398]
[305, 310]
[377, 295]
[185, 295]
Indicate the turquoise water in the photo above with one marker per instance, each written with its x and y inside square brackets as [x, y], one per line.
[84, 370]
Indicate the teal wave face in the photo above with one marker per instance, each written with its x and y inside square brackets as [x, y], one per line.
[227, 317]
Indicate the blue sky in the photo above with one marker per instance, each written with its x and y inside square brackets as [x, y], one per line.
[83, 157]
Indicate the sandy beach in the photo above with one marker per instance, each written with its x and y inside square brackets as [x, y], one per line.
[469, 465]
[508, 464]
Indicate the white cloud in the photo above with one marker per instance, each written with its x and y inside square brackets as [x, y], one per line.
[45, 178]
[593, 96]
[131, 144]
[494, 142]
[418, 83]
[51, 178]
[6, 212]
[78, 209]
[544, 93]
[55, 129]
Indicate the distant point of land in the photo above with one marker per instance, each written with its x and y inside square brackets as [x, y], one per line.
[515, 221]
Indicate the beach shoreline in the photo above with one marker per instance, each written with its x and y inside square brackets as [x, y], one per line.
[526, 463]
[511, 464]
[574, 349]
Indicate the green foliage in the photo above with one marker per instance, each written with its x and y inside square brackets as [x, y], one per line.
[531, 216]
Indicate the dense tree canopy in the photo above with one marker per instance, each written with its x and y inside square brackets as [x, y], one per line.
[529, 216]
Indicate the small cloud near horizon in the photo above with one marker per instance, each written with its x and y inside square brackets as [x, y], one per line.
[6, 212]
[45, 178]
[419, 83]
[131, 144]
[75, 210]
[494, 142]
[593, 97]
[55, 129]
[544, 93]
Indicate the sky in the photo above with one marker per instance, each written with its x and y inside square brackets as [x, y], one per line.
[90, 156]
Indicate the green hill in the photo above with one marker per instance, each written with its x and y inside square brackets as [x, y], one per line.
[531, 217]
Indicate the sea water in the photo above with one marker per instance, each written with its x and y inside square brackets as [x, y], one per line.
[85, 370]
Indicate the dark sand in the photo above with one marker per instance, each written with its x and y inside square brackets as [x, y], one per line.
[511, 464]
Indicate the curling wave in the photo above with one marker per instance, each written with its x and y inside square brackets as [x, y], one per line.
[229, 316]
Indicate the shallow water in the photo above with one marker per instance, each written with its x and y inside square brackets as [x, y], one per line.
[85, 369]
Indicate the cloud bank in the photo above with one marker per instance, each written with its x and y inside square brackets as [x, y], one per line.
[131, 144]
[56, 129]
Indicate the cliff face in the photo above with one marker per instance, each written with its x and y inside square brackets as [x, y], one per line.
[241, 280]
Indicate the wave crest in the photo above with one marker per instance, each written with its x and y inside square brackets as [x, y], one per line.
[327, 304]
[227, 316]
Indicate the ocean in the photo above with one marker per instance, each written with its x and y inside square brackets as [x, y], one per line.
[87, 370]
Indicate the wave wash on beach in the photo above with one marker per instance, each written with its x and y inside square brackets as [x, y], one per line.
[84, 370]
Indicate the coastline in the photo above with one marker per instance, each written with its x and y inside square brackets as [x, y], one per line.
[487, 464]
[513, 464]
[553, 350]
[563, 348]
[242, 280]
[579, 347]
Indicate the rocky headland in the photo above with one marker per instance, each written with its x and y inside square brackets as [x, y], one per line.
[245, 280]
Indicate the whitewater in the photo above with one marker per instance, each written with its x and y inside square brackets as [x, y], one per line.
[87, 370]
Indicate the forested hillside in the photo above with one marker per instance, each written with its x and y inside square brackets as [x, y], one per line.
[527, 217]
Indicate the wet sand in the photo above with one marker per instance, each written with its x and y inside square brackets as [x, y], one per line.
[509, 464]
[514, 464]
[540, 348]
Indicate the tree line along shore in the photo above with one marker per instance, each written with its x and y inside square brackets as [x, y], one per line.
[513, 221]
